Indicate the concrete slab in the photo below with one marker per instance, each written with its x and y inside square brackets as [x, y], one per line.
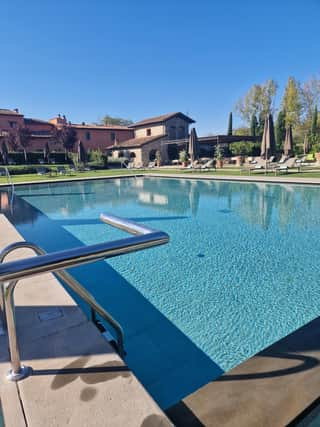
[77, 378]
[253, 178]
[269, 390]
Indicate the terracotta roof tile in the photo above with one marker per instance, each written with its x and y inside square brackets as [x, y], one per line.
[8, 112]
[98, 127]
[137, 142]
[161, 119]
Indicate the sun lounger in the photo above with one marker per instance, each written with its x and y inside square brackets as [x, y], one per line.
[288, 164]
[61, 170]
[43, 171]
[211, 164]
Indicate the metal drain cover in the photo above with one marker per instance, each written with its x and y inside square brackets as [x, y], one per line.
[53, 313]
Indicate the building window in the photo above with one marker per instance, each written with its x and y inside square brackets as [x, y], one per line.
[13, 125]
[113, 136]
[172, 132]
[148, 132]
[181, 132]
[88, 136]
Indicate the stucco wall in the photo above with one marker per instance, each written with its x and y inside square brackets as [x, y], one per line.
[176, 128]
[155, 130]
[5, 122]
[102, 138]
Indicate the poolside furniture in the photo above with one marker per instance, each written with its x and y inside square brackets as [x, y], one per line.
[43, 171]
[61, 170]
[210, 164]
[151, 165]
[285, 166]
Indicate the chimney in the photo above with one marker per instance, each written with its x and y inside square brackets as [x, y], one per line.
[83, 123]
[16, 110]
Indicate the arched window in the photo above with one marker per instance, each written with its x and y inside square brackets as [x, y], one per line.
[152, 155]
[132, 155]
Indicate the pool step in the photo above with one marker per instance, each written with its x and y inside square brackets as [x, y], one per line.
[268, 390]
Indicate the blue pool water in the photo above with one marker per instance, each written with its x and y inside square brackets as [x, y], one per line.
[241, 269]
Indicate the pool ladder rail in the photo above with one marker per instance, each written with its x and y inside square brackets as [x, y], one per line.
[13, 271]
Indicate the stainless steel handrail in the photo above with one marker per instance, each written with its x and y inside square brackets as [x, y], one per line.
[74, 285]
[11, 272]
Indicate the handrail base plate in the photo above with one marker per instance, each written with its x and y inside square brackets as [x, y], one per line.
[24, 372]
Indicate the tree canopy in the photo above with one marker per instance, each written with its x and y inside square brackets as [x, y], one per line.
[115, 121]
[291, 102]
[258, 101]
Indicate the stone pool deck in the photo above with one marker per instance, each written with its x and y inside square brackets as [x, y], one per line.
[78, 379]
[282, 179]
[271, 389]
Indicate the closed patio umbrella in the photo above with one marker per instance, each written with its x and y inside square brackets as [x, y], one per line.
[46, 152]
[193, 145]
[268, 139]
[4, 152]
[82, 154]
[305, 144]
[288, 142]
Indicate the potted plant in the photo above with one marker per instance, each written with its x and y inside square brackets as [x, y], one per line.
[183, 158]
[219, 155]
[240, 150]
[158, 157]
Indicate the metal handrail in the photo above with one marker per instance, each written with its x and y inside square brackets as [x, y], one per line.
[12, 272]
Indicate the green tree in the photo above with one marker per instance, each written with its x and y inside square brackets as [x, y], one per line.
[24, 138]
[67, 137]
[218, 152]
[230, 124]
[257, 101]
[12, 140]
[280, 131]
[253, 125]
[241, 148]
[291, 102]
[115, 121]
[314, 123]
[242, 131]
[310, 96]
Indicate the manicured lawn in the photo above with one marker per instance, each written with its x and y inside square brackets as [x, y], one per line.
[35, 177]
[119, 172]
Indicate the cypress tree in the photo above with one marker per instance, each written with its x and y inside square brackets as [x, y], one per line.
[314, 124]
[280, 131]
[230, 124]
[253, 125]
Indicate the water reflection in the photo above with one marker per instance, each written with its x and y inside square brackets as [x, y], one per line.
[257, 204]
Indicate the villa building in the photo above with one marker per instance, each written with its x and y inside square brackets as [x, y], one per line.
[161, 133]
[139, 142]
[92, 136]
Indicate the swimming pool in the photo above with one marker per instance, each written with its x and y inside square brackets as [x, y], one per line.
[241, 269]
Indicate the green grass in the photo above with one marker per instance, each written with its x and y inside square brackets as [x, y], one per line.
[34, 177]
[119, 172]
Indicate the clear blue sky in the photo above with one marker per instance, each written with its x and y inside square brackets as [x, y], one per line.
[137, 59]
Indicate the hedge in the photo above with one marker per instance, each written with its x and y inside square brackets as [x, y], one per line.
[34, 157]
